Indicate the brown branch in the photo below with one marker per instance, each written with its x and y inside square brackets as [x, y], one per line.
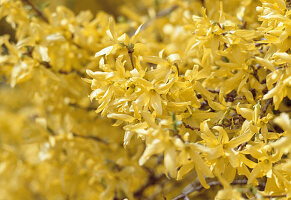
[198, 187]
[36, 10]
[230, 97]
[265, 108]
[190, 127]
[167, 11]
[152, 180]
[213, 91]
[274, 196]
[90, 137]
[203, 3]
[160, 14]
[48, 66]
[41, 15]
[255, 73]
[241, 146]
[90, 108]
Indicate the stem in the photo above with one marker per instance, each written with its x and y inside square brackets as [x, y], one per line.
[193, 187]
[38, 12]
[152, 180]
[95, 138]
[190, 127]
[41, 15]
[213, 91]
[160, 14]
[265, 108]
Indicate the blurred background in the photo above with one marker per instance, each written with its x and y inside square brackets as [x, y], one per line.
[113, 7]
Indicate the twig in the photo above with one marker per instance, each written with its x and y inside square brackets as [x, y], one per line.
[275, 196]
[190, 127]
[198, 187]
[175, 128]
[241, 146]
[265, 108]
[213, 91]
[255, 73]
[38, 12]
[152, 180]
[160, 14]
[41, 15]
[166, 11]
[91, 137]
[202, 3]
[81, 107]
[95, 138]
[230, 97]
[193, 187]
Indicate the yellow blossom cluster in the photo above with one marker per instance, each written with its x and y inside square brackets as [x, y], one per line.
[167, 99]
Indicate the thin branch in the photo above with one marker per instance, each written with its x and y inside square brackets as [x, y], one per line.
[41, 15]
[230, 97]
[81, 107]
[90, 137]
[255, 73]
[160, 14]
[190, 127]
[213, 91]
[198, 187]
[152, 180]
[275, 196]
[241, 146]
[265, 108]
[203, 3]
[38, 12]
[166, 11]
[48, 66]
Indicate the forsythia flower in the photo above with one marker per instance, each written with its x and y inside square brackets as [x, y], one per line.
[188, 90]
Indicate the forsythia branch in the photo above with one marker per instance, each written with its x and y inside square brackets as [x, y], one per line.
[90, 137]
[198, 187]
[38, 12]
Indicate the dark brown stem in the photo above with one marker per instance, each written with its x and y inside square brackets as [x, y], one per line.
[190, 127]
[48, 66]
[213, 91]
[90, 137]
[198, 187]
[265, 108]
[160, 14]
[152, 180]
[167, 11]
[241, 146]
[89, 108]
[180, 137]
[38, 12]
[202, 3]
[41, 15]
[131, 59]
[255, 73]
[274, 196]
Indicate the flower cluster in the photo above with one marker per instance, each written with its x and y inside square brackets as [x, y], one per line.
[191, 90]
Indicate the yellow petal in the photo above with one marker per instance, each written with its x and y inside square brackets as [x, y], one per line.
[155, 147]
[170, 161]
[155, 101]
[105, 51]
[123, 117]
